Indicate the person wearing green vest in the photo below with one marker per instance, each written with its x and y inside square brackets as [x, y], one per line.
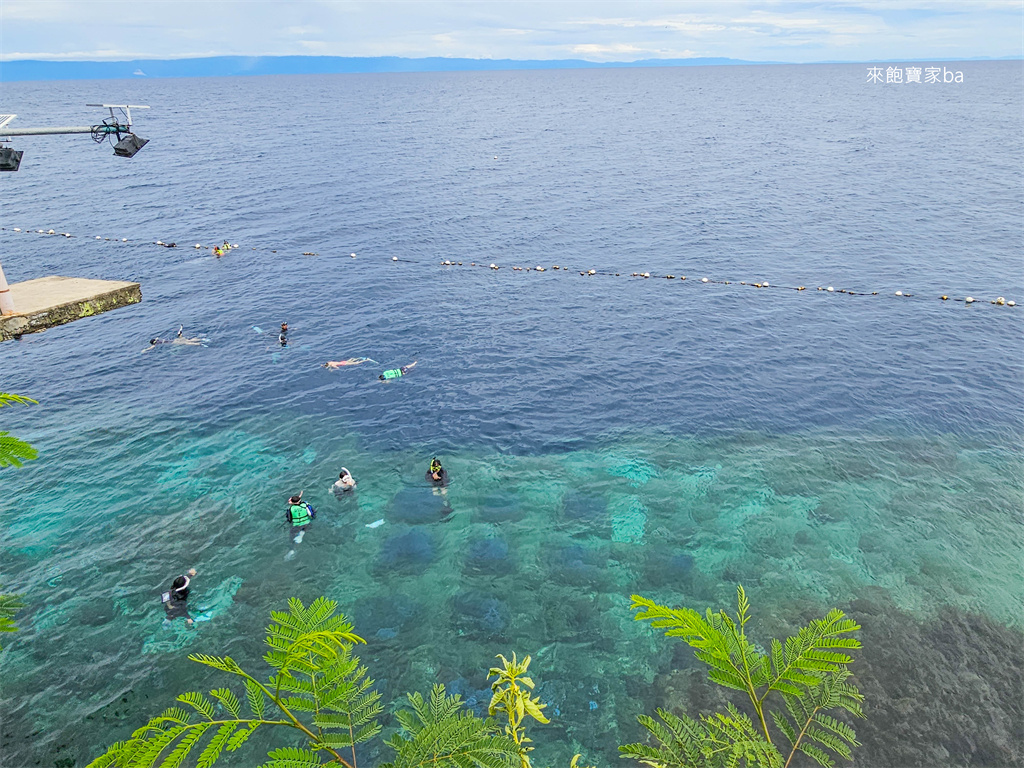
[300, 514]
[396, 373]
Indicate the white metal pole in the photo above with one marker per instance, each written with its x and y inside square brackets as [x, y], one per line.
[6, 302]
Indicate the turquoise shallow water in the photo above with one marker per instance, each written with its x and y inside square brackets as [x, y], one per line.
[604, 436]
[533, 553]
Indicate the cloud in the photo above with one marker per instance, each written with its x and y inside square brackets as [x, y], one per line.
[792, 30]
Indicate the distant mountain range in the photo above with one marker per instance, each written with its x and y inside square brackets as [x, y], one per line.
[226, 66]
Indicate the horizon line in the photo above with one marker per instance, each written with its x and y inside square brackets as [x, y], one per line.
[236, 65]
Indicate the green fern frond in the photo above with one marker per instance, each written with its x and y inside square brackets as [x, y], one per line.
[717, 741]
[6, 398]
[109, 758]
[198, 702]
[182, 748]
[172, 715]
[290, 757]
[817, 755]
[216, 745]
[256, 697]
[439, 732]
[15, 452]
[228, 699]
[9, 605]
[239, 738]
[223, 663]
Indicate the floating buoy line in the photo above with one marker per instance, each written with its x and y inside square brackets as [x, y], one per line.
[225, 248]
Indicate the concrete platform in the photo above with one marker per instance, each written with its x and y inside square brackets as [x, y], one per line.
[48, 301]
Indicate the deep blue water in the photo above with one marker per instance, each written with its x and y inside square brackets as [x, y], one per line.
[611, 434]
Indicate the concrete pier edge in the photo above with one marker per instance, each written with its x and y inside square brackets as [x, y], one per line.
[46, 302]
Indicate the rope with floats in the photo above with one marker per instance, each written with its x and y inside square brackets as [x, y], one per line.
[225, 248]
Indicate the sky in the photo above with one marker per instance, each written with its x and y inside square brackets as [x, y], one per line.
[596, 30]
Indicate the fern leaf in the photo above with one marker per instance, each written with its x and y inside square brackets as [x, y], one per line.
[111, 757]
[172, 715]
[6, 398]
[199, 703]
[216, 745]
[440, 732]
[257, 700]
[223, 663]
[226, 697]
[148, 751]
[817, 755]
[290, 757]
[183, 747]
[783, 724]
[15, 452]
[241, 737]
[299, 704]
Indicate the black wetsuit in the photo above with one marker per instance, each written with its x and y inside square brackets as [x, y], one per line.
[443, 482]
[175, 606]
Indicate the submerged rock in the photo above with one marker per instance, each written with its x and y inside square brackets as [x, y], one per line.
[480, 615]
[489, 554]
[500, 508]
[417, 506]
[411, 550]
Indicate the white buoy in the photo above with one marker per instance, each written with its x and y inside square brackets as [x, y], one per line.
[766, 284]
[969, 300]
[703, 279]
[494, 266]
[235, 245]
[198, 245]
[1011, 303]
[394, 258]
[39, 232]
[830, 289]
[899, 293]
[352, 255]
[17, 229]
[1000, 301]
[98, 237]
[591, 272]
[51, 232]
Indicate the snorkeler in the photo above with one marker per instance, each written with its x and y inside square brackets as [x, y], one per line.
[397, 373]
[333, 364]
[300, 514]
[175, 598]
[344, 483]
[179, 339]
[437, 474]
[283, 338]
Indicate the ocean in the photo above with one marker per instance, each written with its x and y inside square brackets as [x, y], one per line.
[605, 434]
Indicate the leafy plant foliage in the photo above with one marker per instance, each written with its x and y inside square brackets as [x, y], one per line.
[438, 731]
[808, 672]
[511, 696]
[319, 689]
[14, 452]
[9, 605]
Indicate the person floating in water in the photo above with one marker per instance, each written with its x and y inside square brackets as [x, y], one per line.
[283, 338]
[176, 597]
[300, 514]
[179, 338]
[437, 474]
[333, 364]
[218, 251]
[397, 373]
[344, 483]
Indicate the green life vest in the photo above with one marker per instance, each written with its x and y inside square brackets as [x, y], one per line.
[300, 514]
[394, 373]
